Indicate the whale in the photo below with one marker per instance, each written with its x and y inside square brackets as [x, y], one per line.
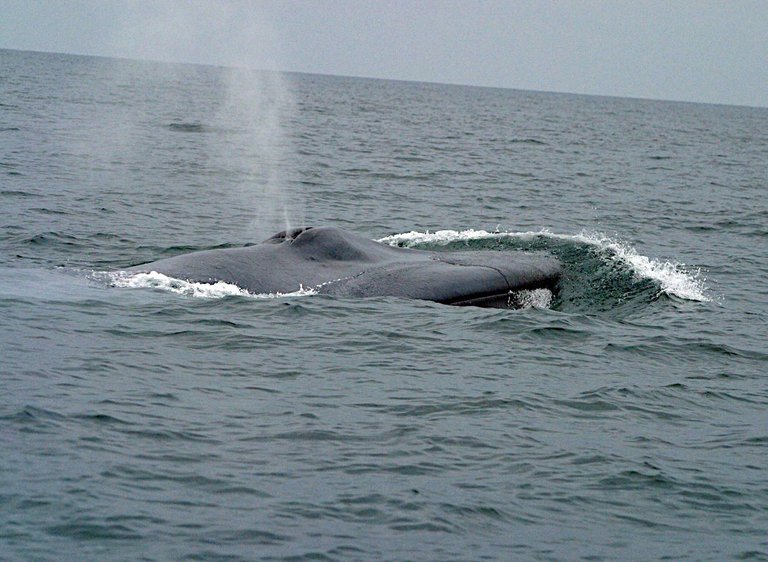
[336, 262]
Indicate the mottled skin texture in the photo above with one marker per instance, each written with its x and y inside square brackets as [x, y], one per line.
[337, 262]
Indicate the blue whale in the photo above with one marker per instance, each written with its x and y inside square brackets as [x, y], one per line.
[333, 261]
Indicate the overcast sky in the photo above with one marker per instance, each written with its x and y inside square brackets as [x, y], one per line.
[693, 50]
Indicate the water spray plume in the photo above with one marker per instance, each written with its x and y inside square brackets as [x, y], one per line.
[250, 103]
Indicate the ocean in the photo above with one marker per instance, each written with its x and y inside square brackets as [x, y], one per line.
[624, 416]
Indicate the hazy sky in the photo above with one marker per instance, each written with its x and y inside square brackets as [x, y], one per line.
[695, 50]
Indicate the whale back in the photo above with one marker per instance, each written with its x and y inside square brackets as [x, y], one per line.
[341, 263]
[334, 244]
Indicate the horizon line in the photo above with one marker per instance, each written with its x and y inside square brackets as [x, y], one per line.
[388, 79]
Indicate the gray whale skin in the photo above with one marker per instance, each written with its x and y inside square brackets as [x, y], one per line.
[336, 262]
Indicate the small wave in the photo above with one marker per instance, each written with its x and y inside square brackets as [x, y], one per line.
[673, 277]
[187, 127]
[218, 290]
[527, 141]
[16, 192]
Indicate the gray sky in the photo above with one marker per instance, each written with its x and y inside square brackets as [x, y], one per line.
[693, 50]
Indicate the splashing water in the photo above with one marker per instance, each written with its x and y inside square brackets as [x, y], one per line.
[220, 289]
[673, 277]
[536, 298]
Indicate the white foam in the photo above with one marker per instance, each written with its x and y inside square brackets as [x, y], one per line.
[674, 278]
[220, 289]
[535, 298]
[413, 238]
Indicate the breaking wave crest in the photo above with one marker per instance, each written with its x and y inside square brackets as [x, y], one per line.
[672, 277]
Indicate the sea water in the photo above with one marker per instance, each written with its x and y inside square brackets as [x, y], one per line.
[142, 417]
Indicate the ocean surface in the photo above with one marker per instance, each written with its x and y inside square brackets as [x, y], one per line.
[625, 416]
